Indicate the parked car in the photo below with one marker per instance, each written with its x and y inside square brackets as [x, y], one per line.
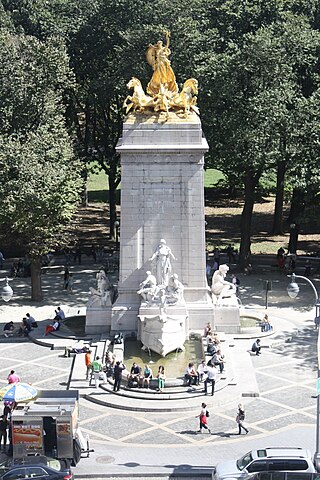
[38, 467]
[282, 476]
[265, 460]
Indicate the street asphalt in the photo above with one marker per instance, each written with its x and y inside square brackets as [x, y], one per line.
[140, 444]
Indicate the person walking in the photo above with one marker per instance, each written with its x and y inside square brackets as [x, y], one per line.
[203, 417]
[118, 369]
[98, 372]
[240, 419]
[211, 378]
[70, 283]
[66, 276]
[87, 361]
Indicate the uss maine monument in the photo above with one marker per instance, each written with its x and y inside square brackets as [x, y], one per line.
[162, 198]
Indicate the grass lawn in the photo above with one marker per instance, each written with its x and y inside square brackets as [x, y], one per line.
[223, 217]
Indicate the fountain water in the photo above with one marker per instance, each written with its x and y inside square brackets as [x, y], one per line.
[173, 363]
[150, 359]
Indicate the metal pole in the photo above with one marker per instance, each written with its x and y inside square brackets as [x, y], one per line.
[117, 238]
[316, 458]
[266, 295]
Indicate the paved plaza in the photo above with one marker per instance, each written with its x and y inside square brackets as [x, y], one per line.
[154, 443]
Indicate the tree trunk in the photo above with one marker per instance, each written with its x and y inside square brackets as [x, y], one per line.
[36, 288]
[246, 219]
[294, 219]
[277, 228]
[297, 206]
[84, 192]
[293, 239]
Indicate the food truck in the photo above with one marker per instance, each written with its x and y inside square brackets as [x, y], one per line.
[49, 426]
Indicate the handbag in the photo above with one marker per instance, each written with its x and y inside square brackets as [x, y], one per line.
[207, 414]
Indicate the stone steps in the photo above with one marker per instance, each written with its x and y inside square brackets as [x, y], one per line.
[171, 393]
[121, 402]
[237, 380]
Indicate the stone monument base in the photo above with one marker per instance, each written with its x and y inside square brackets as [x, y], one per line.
[98, 320]
[227, 319]
[163, 332]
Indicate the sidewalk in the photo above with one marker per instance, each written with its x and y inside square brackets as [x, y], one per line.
[113, 460]
[133, 443]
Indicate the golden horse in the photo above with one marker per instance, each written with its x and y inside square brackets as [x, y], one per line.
[186, 99]
[138, 101]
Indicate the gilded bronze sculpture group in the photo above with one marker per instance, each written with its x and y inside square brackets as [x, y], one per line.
[162, 91]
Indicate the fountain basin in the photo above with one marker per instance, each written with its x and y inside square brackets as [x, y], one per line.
[175, 363]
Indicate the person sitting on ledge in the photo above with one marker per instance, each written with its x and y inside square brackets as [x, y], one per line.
[31, 321]
[135, 375]
[265, 324]
[24, 328]
[9, 329]
[53, 327]
[191, 375]
[207, 330]
[202, 370]
[147, 376]
[161, 376]
[211, 347]
[256, 347]
[60, 313]
[218, 360]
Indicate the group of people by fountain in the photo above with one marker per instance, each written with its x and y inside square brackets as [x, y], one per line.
[142, 378]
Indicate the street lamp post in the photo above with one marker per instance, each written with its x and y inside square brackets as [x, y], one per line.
[293, 290]
[117, 225]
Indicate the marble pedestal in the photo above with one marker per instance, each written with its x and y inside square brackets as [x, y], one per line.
[162, 196]
[227, 319]
[227, 315]
[163, 332]
[98, 319]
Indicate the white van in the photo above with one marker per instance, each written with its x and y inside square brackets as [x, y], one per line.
[265, 460]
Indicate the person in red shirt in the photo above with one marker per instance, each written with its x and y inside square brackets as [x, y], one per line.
[13, 377]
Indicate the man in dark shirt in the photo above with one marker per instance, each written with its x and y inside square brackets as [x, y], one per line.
[9, 329]
[135, 374]
[118, 369]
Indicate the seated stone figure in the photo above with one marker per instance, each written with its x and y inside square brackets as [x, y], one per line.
[101, 295]
[174, 290]
[148, 288]
[220, 287]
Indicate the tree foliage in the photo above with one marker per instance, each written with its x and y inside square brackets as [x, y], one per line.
[257, 62]
[40, 176]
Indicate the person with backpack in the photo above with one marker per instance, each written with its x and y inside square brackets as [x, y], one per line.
[240, 419]
[203, 417]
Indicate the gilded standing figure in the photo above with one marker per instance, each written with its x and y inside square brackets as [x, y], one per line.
[157, 56]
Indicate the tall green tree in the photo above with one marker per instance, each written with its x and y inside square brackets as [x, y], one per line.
[40, 176]
[254, 82]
